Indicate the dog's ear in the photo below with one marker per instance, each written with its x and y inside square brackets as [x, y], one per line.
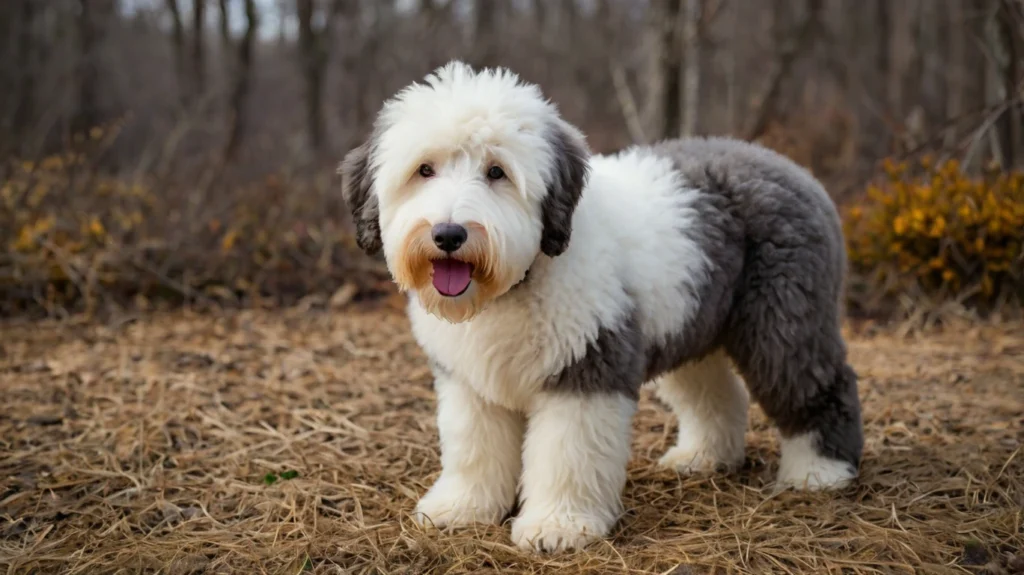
[565, 186]
[357, 191]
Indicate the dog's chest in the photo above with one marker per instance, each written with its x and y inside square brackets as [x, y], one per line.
[505, 358]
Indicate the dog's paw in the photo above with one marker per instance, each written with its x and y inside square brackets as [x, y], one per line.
[454, 503]
[803, 468]
[557, 532]
[689, 460]
[819, 475]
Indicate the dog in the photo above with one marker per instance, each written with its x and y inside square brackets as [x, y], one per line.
[547, 284]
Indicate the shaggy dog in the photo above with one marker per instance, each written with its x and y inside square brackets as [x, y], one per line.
[547, 285]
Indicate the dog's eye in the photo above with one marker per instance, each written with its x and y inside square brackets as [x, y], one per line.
[495, 173]
[426, 171]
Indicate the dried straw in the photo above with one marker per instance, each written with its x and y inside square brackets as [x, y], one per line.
[144, 445]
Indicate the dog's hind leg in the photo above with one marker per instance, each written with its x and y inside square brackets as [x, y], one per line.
[711, 403]
[784, 336]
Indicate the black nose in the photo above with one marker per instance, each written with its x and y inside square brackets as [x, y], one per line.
[449, 237]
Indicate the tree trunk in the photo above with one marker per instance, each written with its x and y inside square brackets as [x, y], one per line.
[891, 84]
[956, 61]
[24, 112]
[976, 61]
[224, 28]
[732, 117]
[1010, 122]
[542, 21]
[178, 39]
[670, 59]
[913, 19]
[240, 89]
[484, 37]
[199, 48]
[313, 53]
[282, 19]
[691, 67]
[786, 58]
[90, 31]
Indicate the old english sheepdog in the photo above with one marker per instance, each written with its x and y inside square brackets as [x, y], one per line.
[547, 285]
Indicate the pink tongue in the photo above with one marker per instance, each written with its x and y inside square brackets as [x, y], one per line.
[451, 277]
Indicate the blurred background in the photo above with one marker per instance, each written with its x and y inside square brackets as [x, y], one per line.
[158, 152]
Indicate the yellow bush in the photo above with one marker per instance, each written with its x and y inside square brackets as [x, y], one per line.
[932, 227]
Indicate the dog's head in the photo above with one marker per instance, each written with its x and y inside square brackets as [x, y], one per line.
[466, 179]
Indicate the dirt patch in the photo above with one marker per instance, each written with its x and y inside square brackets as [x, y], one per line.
[299, 440]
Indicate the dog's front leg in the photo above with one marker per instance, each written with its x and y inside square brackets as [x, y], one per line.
[480, 459]
[574, 468]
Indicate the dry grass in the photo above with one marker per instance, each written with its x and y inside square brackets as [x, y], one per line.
[142, 445]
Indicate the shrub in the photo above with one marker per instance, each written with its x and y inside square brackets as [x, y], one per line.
[72, 236]
[933, 230]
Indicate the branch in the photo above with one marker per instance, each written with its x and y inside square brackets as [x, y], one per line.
[787, 57]
[627, 103]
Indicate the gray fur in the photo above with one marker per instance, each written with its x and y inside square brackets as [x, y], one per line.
[357, 191]
[564, 188]
[774, 240]
[613, 362]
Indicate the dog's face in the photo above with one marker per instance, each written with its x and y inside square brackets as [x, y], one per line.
[467, 178]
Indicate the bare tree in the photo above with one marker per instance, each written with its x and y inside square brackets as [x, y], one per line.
[199, 47]
[883, 29]
[92, 18]
[668, 67]
[486, 14]
[666, 78]
[692, 14]
[786, 56]
[24, 111]
[241, 81]
[314, 42]
[956, 60]
[1007, 50]
[224, 26]
[178, 40]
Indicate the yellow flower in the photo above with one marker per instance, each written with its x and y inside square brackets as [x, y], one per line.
[229, 240]
[96, 227]
[899, 225]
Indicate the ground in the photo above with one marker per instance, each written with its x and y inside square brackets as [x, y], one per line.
[278, 441]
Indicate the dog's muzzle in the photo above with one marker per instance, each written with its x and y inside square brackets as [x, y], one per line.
[451, 276]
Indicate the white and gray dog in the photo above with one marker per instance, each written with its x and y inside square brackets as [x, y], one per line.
[547, 285]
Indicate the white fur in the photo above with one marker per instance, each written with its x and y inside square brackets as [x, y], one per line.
[480, 460]
[711, 404]
[575, 457]
[802, 468]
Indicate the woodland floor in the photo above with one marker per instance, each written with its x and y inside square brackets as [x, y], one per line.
[145, 444]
